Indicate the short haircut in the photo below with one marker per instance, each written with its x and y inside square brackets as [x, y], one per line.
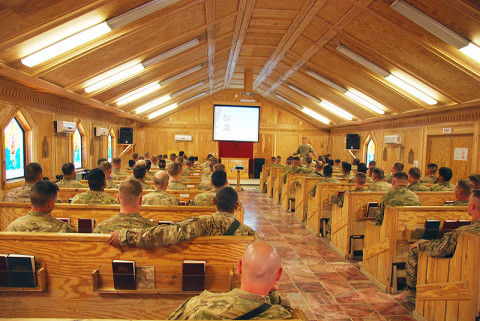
[476, 195]
[105, 166]
[319, 165]
[100, 160]
[162, 163]
[401, 176]
[43, 192]
[96, 179]
[160, 178]
[378, 173]
[117, 160]
[188, 162]
[226, 199]
[432, 167]
[68, 168]
[181, 153]
[475, 179]
[209, 155]
[165, 156]
[32, 172]
[213, 161]
[304, 137]
[141, 157]
[179, 159]
[139, 171]
[328, 170]
[331, 162]
[347, 167]
[308, 159]
[415, 172]
[356, 161]
[130, 190]
[192, 159]
[147, 154]
[219, 178]
[174, 169]
[372, 163]
[148, 165]
[218, 167]
[296, 158]
[398, 166]
[362, 168]
[361, 178]
[131, 162]
[337, 161]
[135, 155]
[154, 158]
[173, 155]
[288, 161]
[446, 173]
[465, 186]
[273, 158]
[279, 157]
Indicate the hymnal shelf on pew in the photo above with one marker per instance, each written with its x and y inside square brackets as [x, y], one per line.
[372, 209]
[86, 225]
[123, 275]
[193, 275]
[21, 271]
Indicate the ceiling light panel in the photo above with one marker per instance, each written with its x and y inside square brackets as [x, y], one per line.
[153, 104]
[139, 93]
[173, 106]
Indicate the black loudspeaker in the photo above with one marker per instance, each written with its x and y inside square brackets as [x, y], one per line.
[353, 141]
[125, 136]
[257, 167]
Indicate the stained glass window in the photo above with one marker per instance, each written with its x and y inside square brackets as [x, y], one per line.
[370, 151]
[109, 147]
[77, 149]
[14, 150]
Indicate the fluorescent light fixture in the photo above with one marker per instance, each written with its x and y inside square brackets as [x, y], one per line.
[175, 94]
[385, 74]
[298, 90]
[170, 53]
[315, 115]
[365, 101]
[162, 111]
[153, 104]
[326, 81]
[66, 44]
[472, 50]
[139, 93]
[193, 98]
[115, 78]
[181, 75]
[288, 101]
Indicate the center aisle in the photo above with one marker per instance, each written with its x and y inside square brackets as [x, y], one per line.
[316, 279]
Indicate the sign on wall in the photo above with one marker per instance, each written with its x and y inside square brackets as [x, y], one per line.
[460, 154]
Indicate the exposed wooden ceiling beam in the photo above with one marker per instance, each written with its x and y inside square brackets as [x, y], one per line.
[210, 19]
[245, 11]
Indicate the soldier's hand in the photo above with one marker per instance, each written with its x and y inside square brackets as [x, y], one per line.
[113, 240]
[414, 245]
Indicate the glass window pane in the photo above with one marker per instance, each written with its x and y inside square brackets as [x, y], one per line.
[370, 151]
[77, 149]
[14, 150]
[109, 147]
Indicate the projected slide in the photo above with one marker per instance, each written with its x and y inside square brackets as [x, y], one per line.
[236, 123]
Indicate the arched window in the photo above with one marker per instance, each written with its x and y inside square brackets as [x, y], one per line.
[14, 150]
[109, 148]
[77, 149]
[370, 151]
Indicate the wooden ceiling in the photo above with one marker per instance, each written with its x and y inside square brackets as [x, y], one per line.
[278, 40]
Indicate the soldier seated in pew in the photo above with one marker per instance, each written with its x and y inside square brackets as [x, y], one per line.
[355, 164]
[207, 175]
[396, 167]
[223, 222]
[131, 165]
[205, 164]
[431, 177]
[154, 162]
[38, 219]
[294, 169]
[463, 191]
[338, 164]
[117, 173]
[318, 170]
[308, 166]
[68, 181]
[148, 174]
[347, 171]
[362, 168]
[475, 179]
[96, 194]
[33, 174]
[443, 185]
[162, 165]
[273, 160]
[130, 199]
[327, 173]
[106, 167]
[379, 183]
[444, 247]
[372, 164]
[205, 182]
[219, 180]
[414, 175]
[399, 196]
[278, 162]
[187, 168]
[140, 174]
[159, 197]
[257, 298]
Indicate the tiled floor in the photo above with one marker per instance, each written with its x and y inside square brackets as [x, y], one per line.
[316, 279]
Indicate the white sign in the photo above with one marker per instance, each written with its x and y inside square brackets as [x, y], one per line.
[415, 163]
[447, 130]
[460, 154]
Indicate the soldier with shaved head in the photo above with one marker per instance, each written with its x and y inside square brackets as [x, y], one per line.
[159, 196]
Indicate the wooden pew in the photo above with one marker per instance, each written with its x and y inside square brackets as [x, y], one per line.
[278, 181]
[303, 188]
[271, 180]
[288, 190]
[193, 185]
[387, 245]
[263, 178]
[11, 211]
[448, 289]
[78, 282]
[348, 222]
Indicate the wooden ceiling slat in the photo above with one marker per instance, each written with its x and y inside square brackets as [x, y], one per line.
[210, 19]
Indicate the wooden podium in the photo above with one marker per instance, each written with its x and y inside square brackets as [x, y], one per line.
[230, 164]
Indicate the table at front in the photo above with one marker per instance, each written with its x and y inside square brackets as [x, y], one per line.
[232, 162]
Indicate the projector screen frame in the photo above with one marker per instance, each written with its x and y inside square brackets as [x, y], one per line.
[236, 104]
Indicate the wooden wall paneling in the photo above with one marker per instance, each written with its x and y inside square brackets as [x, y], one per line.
[461, 168]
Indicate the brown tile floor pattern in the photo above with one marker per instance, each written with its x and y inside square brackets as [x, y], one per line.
[316, 279]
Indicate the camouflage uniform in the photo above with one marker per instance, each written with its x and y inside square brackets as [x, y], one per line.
[368, 180]
[418, 187]
[184, 180]
[347, 176]
[315, 174]
[307, 169]
[110, 184]
[149, 176]
[176, 186]
[326, 180]
[207, 175]
[186, 171]
[342, 197]
[399, 196]
[444, 247]
[146, 186]
[389, 178]
[231, 305]
[291, 170]
[205, 185]
[458, 203]
[305, 150]
[204, 199]
[443, 187]
[20, 194]
[116, 173]
[94, 197]
[430, 179]
[380, 186]
[160, 198]
[190, 228]
[122, 221]
[35, 221]
[69, 182]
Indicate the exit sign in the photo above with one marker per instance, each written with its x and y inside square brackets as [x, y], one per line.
[447, 130]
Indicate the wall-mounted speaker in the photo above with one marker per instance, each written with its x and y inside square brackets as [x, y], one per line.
[353, 141]
[125, 136]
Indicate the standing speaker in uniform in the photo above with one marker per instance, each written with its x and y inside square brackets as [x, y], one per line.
[353, 141]
[125, 136]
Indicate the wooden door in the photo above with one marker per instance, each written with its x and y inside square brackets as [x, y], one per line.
[441, 151]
